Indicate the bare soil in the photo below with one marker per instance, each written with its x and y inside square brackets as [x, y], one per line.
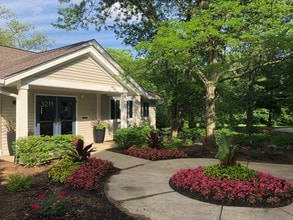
[82, 204]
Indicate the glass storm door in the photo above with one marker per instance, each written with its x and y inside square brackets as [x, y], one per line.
[55, 115]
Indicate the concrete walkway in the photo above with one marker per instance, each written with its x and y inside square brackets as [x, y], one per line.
[142, 190]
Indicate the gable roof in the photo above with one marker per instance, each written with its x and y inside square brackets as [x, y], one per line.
[14, 62]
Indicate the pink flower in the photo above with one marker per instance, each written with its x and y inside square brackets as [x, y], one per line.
[35, 206]
[247, 148]
[42, 196]
[63, 193]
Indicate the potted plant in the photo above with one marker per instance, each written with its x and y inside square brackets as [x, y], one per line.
[10, 128]
[99, 130]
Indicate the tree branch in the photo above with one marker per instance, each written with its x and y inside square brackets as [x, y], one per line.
[255, 66]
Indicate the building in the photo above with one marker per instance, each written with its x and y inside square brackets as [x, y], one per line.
[61, 91]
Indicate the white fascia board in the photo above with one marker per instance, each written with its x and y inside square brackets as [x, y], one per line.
[45, 66]
[8, 93]
[75, 86]
[2, 81]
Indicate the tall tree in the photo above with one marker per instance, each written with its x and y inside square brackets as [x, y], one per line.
[214, 40]
[14, 33]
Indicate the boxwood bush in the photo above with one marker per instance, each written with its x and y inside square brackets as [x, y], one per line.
[132, 136]
[40, 150]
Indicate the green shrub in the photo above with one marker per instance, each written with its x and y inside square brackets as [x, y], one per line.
[253, 140]
[62, 170]
[282, 141]
[172, 143]
[19, 182]
[127, 137]
[238, 172]
[226, 132]
[194, 134]
[40, 150]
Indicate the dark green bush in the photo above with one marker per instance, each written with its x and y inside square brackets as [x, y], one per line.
[238, 172]
[62, 170]
[282, 141]
[194, 134]
[254, 140]
[133, 136]
[40, 150]
[19, 182]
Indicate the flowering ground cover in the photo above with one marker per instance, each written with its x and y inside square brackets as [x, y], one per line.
[154, 153]
[264, 190]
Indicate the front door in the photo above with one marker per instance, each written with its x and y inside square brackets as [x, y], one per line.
[55, 115]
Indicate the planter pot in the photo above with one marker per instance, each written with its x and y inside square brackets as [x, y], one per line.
[10, 140]
[99, 135]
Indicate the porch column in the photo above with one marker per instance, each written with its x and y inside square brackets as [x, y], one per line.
[123, 110]
[22, 112]
[152, 114]
[98, 100]
[137, 110]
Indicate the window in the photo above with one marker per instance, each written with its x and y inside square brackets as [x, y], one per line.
[145, 109]
[115, 109]
[129, 109]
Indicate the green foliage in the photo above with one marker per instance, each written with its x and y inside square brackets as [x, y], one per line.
[19, 182]
[132, 136]
[226, 152]
[155, 140]
[253, 140]
[40, 150]
[238, 172]
[173, 143]
[80, 153]
[226, 132]
[195, 134]
[14, 33]
[62, 170]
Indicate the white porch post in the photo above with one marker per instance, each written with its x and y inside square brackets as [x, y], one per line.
[137, 110]
[123, 110]
[22, 112]
[98, 100]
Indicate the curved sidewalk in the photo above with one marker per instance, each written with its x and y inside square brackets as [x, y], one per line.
[142, 189]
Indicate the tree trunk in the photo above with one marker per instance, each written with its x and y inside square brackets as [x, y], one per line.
[174, 120]
[210, 115]
[250, 104]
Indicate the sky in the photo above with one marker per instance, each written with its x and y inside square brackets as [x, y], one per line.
[41, 13]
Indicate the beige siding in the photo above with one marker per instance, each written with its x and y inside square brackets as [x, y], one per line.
[83, 70]
[8, 112]
[86, 112]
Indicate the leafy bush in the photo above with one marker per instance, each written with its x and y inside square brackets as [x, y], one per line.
[238, 172]
[127, 137]
[19, 182]
[155, 140]
[253, 140]
[226, 152]
[194, 134]
[62, 170]
[40, 150]
[173, 143]
[89, 175]
[80, 153]
[155, 154]
[51, 205]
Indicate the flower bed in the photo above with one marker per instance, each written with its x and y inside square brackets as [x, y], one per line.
[262, 191]
[89, 175]
[155, 154]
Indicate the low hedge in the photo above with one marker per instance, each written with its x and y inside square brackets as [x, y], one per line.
[40, 150]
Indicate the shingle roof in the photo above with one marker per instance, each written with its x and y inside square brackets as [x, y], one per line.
[14, 61]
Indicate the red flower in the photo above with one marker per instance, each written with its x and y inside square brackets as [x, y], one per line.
[63, 193]
[42, 196]
[35, 206]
